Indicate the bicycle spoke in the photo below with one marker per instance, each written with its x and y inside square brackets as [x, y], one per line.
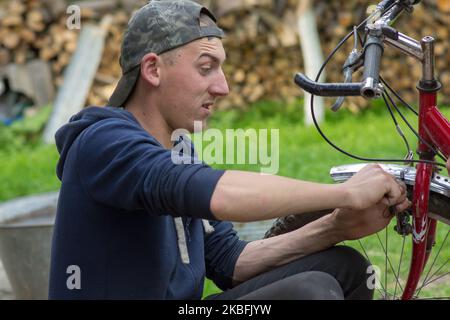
[389, 261]
[416, 297]
[365, 253]
[399, 265]
[434, 261]
[439, 269]
[382, 293]
[386, 260]
[440, 277]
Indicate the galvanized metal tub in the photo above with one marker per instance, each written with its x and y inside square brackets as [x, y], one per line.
[26, 227]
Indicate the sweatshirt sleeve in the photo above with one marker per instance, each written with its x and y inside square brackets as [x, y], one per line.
[222, 250]
[122, 166]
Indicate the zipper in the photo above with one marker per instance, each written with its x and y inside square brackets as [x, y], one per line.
[186, 224]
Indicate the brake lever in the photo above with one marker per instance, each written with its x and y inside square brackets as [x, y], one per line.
[352, 63]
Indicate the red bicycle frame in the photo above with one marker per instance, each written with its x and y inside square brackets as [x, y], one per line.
[434, 130]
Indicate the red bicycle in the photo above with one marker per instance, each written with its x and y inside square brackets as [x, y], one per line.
[430, 191]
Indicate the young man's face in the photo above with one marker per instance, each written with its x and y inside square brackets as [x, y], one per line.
[191, 80]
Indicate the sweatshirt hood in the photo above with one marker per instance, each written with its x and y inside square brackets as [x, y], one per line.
[68, 133]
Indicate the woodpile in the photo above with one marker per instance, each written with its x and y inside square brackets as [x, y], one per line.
[263, 51]
[262, 56]
[36, 29]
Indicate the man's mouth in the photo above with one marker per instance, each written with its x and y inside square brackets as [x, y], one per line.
[207, 105]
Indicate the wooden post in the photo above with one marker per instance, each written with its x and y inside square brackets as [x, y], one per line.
[78, 77]
[312, 55]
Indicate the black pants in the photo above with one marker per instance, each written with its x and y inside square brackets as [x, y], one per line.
[333, 274]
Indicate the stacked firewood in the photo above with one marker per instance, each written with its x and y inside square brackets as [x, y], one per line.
[262, 56]
[39, 29]
[264, 51]
[262, 45]
[36, 30]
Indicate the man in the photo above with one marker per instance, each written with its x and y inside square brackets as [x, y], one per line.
[133, 224]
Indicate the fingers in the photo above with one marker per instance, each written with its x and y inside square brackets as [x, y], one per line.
[372, 184]
[400, 203]
[397, 193]
[388, 212]
[405, 204]
[402, 186]
[397, 199]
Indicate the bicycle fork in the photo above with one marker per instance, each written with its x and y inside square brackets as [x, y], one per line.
[434, 130]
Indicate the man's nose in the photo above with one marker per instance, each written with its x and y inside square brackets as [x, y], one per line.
[220, 86]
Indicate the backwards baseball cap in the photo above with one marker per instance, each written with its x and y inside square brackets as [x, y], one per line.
[158, 27]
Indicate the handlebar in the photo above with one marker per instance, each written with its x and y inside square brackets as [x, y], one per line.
[373, 50]
[368, 88]
[327, 89]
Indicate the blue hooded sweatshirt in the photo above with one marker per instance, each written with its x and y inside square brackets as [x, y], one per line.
[130, 223]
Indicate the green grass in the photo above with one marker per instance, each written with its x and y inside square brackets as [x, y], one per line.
[29, 170]
[28, 166]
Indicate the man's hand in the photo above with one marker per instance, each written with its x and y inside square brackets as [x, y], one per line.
[371, 186]
[356, 224]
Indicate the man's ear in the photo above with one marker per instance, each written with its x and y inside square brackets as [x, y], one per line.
[150, 69]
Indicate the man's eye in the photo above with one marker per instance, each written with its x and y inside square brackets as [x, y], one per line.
[205, 69]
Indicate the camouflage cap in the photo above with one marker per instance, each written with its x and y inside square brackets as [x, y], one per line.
[158, 27]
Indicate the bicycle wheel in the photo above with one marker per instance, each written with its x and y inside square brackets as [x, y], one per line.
[390, 250]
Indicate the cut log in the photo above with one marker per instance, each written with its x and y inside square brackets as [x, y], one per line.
[443, 5]
[13, 20]
[27, 35]
[55, 8]
[16, 7]
[21, 54]
[36, 20]
[239, 76]
[5, 57]
[11, 40]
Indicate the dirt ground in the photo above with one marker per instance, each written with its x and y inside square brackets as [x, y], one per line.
[5, 287]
